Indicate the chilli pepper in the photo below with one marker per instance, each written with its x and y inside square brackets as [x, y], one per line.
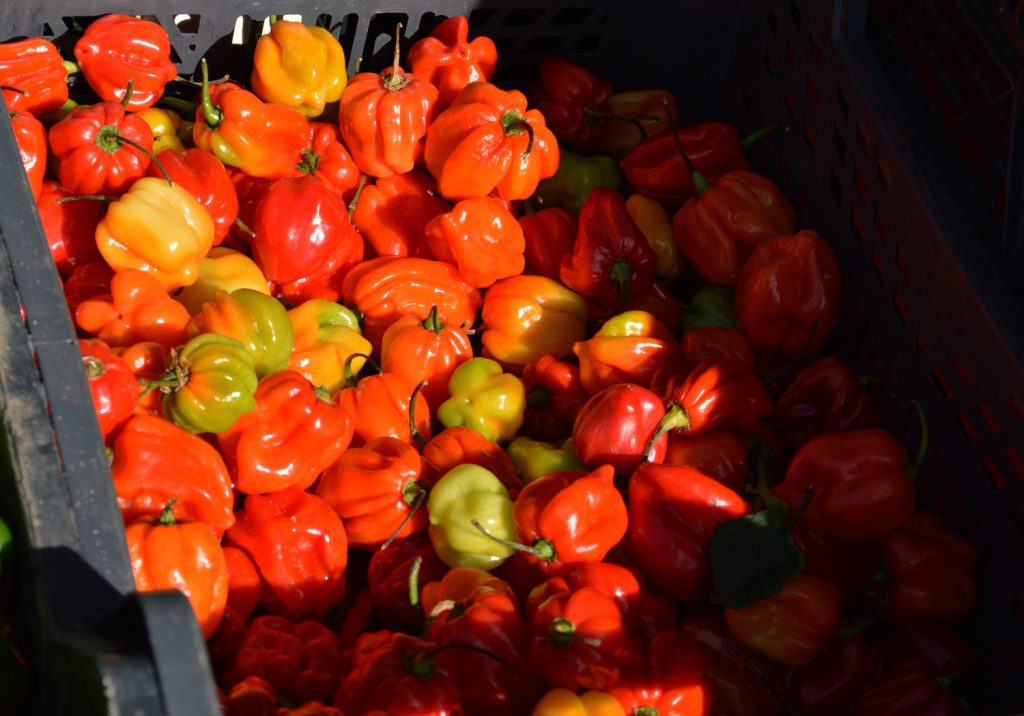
[393, 212]
[573, 100]
[377, 490]
[465, 496]
[563, 702]
[611, 258]
[180, 553]
[30, 136]
[860, 480]
[159, 228]
[166, 126]
[485, 399]
[251, 696]
[628, 348]
[33, 75]
[299, 545]
[244, 585]
[616, 426]
[147, 361]
[100, 149]
[136, 309]
[386, 288]
[121, 56]
[548, 235]
[388, 574]
[112, 385]
[382, 405]
[210, 384]
[713, 342]
[534, 459]
[554, 397]
[70, 227]
[657, 301]
[425, 351]
[481, 237]
[829, 683]
[576, 177]
[263, 140]
[787, 295]
[653, 220]
[257, 320]
[203, 176]
[648, 112]
[293, 434]
[931, 571]
[710, 306]
[327, 339]
[945, 653]
[618, 583]
[222, 269]
[329, 159]
[673, 513]
[789, 627]
[155, 461]
[526, 317]
[719, 228]
[906, 689]
[86, 281]
[488, 141]
[718, 454]
[383, 116]
[298, 67]
[458, 445]
[825, 397]
[449, 61]
[670, 681]
[852, 566]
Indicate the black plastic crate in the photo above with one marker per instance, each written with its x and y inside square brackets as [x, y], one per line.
[927, 304]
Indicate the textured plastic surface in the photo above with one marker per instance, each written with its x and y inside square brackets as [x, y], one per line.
[926, 308]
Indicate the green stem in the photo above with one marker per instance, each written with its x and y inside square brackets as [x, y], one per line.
[128, 93]
[213, 115]
[433, 322]
[413, 430]
[71, 67]
[244, 227]
[167, 513]
[538, 397]
[395, 80]
[350, 377]
[675, 419]
[922, 446]
[542, 549]
[514, 124]
[426, 655]
[414, 583]
[700, 182]
[91, 197]
[308, 164]
[152, 157]
[416, 504]
[355, 197]
[182, 106]
[757, 135]
[8, 88]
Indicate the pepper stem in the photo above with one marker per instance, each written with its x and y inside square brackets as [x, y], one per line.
[542, 548]
[8, 88]
[128, 93]
[414, 583]
[413, 430]
[433, 322]
[700, 182]
[621, 275]
[91, 197]
[922, 446]
[94, 367]
[538, 397]
[244, 227]
[514, 124]
[425, 656]
[757, 135]
[71, 67]
[350, 376]
[212, 114]
[645, 711]
[308, 164]
[167, 513]
[395, 80]
[152, 157]
[415, 505]
[592, 115]
[355, 197]
[182, 106]
[562, 633]
[675, 419]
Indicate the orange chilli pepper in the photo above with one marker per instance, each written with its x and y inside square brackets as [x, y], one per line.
[449, 61]
[653, 220]
[481, 237]
[33, 76]
[629, 348]
[381, 405]
[137, 309]
[392, 214]
[459, 445]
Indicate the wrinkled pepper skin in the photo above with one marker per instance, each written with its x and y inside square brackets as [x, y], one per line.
[719, 393]
[628, 348]
[615, 426]
[654, 221]
[35, 68]
[576, 177]
[718, 229]
[488, 141]
[535, 459]
[448, 60]
[481, 238]
[182, 554]
[460, 446]
[618, 583]
[203, 176]
[291, 436]
[136, 309]
[299, 67]
[563, 702]
[222, 269]
[554, 397]
[118, 49]
[328, 158]
[669, 681]
[393, 212]
[466, 493]
[299, 545]
[485, 399]
[380, 405]
[655, 105]
[673, 512]
[861, 487]
[30, 135]
[527, 317]
[549, 235]
[255, 319]
[388, 578]
[787, 295]
[112, 385]
[569, 96]
[70, 227]
[165, 124]
[326, 337]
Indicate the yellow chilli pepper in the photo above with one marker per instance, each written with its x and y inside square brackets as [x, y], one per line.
[222, 269]
[156, 227]
[562, 702]
[299, 67]
[467, 494]
[326, 336]
[165, 125]
[654, 221]
[485, 399]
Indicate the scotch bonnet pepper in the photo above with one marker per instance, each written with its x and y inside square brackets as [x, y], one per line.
[222, 269]
[204, 177]
[327, 338]
[484, 398]
[450, 61]
[299, 67]
[31, 139]
[628, 348]
[32, 74]
[576, 177]
[464, 495]
[136, 309]
[574, 102]
[481, 237]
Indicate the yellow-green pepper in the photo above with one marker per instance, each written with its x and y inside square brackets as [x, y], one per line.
[470, 494]
[485, 399]
[327, 336]
[535, 459]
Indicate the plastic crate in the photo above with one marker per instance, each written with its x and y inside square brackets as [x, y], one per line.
[926, 307]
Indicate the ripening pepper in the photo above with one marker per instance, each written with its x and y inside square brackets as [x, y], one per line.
[298, 67]
[654, 221]
[263, 140]
[573, 100]
[165, 125]
[616, 426]
[383, 116]
[710, 306]
[387, 576]
[112, 385]
[787, 295]
[641, 114]
[549, 235]
[860, 481]
[527, 317]
[210, 384]
[291, 436]
[95, 149]
[327, 338]
[34, 70]
[382, 405]
[464, 495]
[70, 227]
[30, 135]
[576, 177]
[328, 158]
[120, 50]
[464, 446]
[298, 544]
[563, 702]
[554, 397]
[485, 399]
[86, 281]
[535, 459]
[488, 141]
[628, 348]
[718, 454]
[449, 61]
[377, 489]
[158, 228]
[393, 212]
[137, 309]
[180, 553]
[481, 237]
[719, 228]
[257, 320]
[907, 688]
[222, 269]
[203, 176]
[668, 681]
[618, 583]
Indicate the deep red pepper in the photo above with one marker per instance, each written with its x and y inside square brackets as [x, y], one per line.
[700, 344]
[30, 135]
[573, 100]
[670, 681]
[718, 454]
[906, 689]
[656, 300]
[829, 683]
[848, 565]
[388, 578]
[549, 236]
[203, 176]
[35, 70]
[554, 397]
[87, 280]
[70, 227]
[620, 584]
[611, 258]
[114, 389]
[328, 159]
[615, 427]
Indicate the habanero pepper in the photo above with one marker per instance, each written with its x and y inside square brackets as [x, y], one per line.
[628, 348]
[554, 397]
[30, 136]
[563, 702]
[669, 681]
[166, 124]
[616, 427]
[393, 212]
[203, 176]
[299, 67]
[574, 102]
[938, 646]
[382, 405]
[222, 269]
[327, 339]
[35, 71]
[700, 344]
[449, 61]
[388, 573]
[293, 434]
[137, 309]
[465, 495]
[548, 235]
[481, 238]
[654, 221]
[484, 398]
[710, 306]
[329, 159]
[535, 459]
[576, 177]
[459, 445]
[147, 361]
[907, 688]
[85, 281]
[620, 584]
[718, 454]
[112, 385]
[657, 301]
[652, 109]
[70, 227]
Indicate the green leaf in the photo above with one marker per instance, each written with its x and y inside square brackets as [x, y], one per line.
[752, 557]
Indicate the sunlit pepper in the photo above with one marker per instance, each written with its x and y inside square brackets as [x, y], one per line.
[484, 398]
[137, 309]
[652, 109]
[535, 459]
[563, 702]
[481, 237]
[326, 336]
[35, 70]
[628, 348]
[299, 67]
[382, 405]
[30, 136]
[554, 397]
[257, 320]
[464, 446]
[450, 61]
[393, 212]
[165, 124]
[70, 227]
[466, 494]
[222, 269]
[654, 221]
[206, 179]
[549, 235]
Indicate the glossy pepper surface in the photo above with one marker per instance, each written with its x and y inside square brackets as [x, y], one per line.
[137, 309]
[116, 50]
[328, 158]
[327, 338]
[222, 269]
[652, 109]
[290, 437]
[298, 582]
[70, 227]
[549, 235]
[574, 102]
[425, 350]
[299, 67]
[718, 454]
[563, 702]
[464, 494]
[615, 427]
[576, 177]
[481, 237]
[449, 60]
[30, 136]
[628, 348]
[257, 320]
[654, 221]
[484, 398]
[388, 578]
[669, 680]
[488, 141]
[535, 459]
[380, 405]
[554, 397]
[460, 446]
[112, 385]
[203, 176]
[393, 212]
[35, 70]
[527, 317]
[166, 124]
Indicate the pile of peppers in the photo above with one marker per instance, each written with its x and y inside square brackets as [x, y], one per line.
[436, 397]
